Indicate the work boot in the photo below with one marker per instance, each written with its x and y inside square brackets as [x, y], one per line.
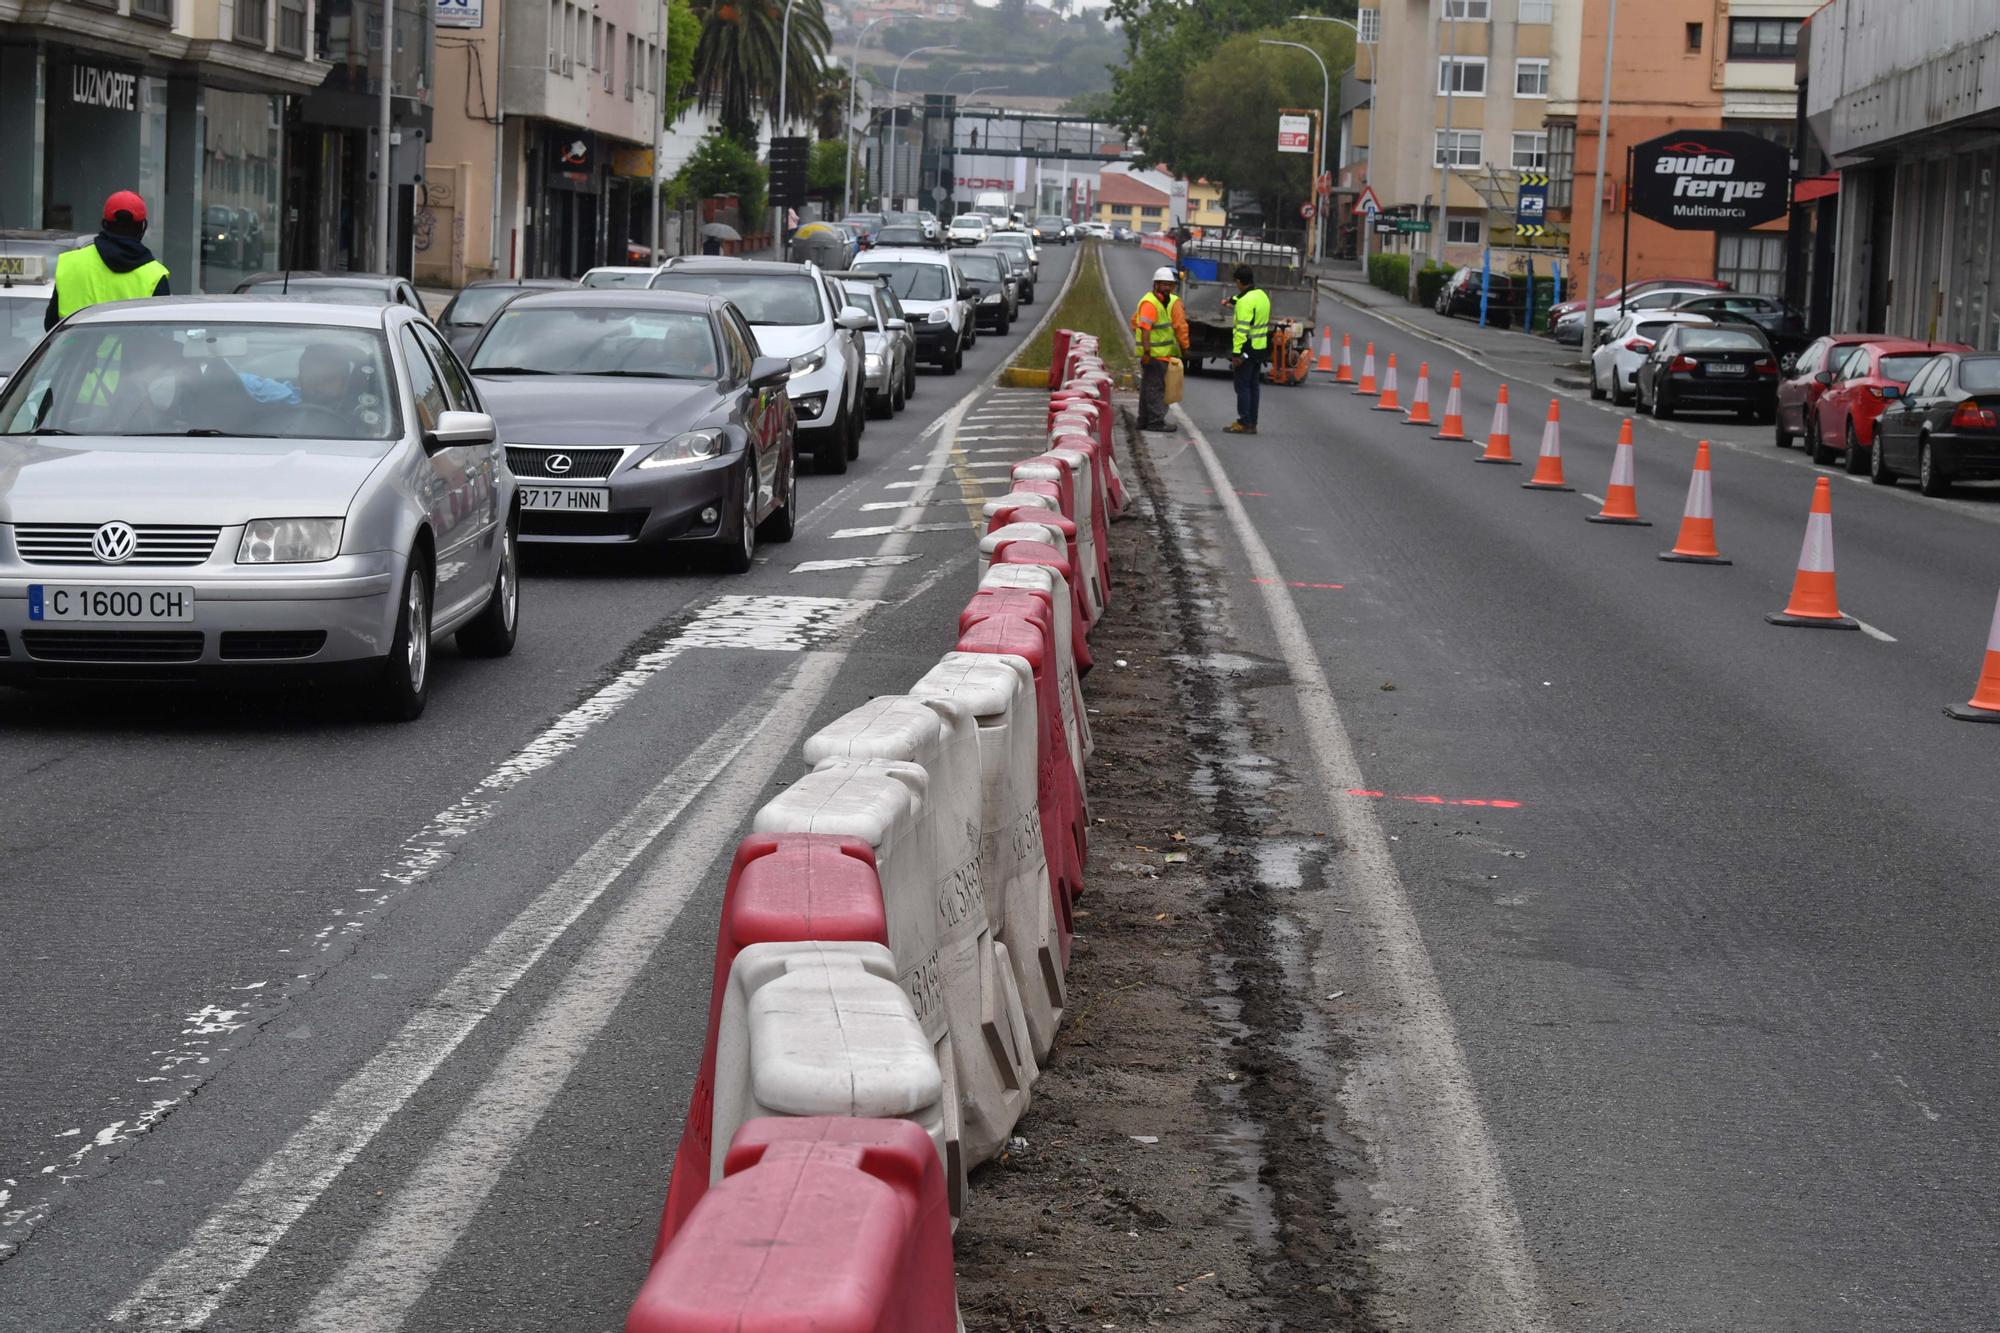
[1163, 428]
[1238, 428]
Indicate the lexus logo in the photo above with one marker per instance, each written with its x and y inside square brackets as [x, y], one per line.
[557, 464]
[114, 543]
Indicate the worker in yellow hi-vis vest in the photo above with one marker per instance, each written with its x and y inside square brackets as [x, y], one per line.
[1160, 331]
[1249, 348]
[116, 266]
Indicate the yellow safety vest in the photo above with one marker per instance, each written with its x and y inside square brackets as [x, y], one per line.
[84, 279]
[1253, 322]
[1158, 338]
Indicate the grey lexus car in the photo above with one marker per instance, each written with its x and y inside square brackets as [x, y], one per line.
[214, 485]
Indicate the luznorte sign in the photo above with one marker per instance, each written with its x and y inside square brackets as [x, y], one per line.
[1710, 180]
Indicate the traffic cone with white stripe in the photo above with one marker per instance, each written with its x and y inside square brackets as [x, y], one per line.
[1454, 415]
[1420, 405]
[1549, 467]
[1325, 348]
[1499, 444]
[1696, 543]
[1389, 402]
[1621, 497]
[1985, 705]
[1344, 372]
[1815, 603]
[1367, 387]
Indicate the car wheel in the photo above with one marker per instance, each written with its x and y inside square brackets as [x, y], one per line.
[1001, 326]
[830, 449]
[882, 405]
[491, 633]
[1931, 479]
[784, 520]
[1662, 409]
[1028, 296]
[855, 425]
[1596, 388]
[897, 395]
[909, 378]
[1857, 457]
[1779, 435]
[403, 687]
[736, 548]
[1619, 397]
[1816, 442]
[1878, 467]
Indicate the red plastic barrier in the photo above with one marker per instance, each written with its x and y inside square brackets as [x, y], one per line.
[1100, 486]
[1059, 797]
[783, 888]
[818, 1225]
[1066, 500]
[1041, 553]
[1024, 513]
[1059, 353]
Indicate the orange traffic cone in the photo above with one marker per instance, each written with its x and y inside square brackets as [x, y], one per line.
[1367, 387]
[1454, 415]
[1344, 373]
[1621, 497]
[1696, 544]
[1985, 705]
[1499, 444]
[1814, 602]
[1420, 405]
[1549, 467]
[1389, 401]
[1325, 349]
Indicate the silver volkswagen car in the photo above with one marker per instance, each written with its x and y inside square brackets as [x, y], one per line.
[209, 485]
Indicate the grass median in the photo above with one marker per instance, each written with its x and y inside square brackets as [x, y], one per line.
[1087, 309]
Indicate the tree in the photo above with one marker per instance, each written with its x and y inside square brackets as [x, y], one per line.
[830, 103]
[683, 34]
[736, 60]
[719, 165]
[826, 171]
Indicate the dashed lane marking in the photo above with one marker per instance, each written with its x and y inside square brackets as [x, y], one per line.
[855, 562]
[900, 527]
[1874, 633]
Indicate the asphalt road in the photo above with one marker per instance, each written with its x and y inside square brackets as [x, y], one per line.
[1710, 1003]
[324, 1024]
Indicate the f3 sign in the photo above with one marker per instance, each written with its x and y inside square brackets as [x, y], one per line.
[1710, 180]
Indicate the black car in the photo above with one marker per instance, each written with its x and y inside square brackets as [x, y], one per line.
[1020, 278]
[1710, 368]
[478, 302]
[1460, 296]
[1052, 230]
[641, 417]
[1945, 427]
[994, 304]
[1783, 325]
[907, 233]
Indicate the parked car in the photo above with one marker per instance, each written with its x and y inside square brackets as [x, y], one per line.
[1799, 392]
[1097, 230]
[1945, 427]
[335, 288]
[1566, 317]
[889, 366]
[1659, 298]
[1460, 296]
[476, 302]
[1053, 230]
[968, 229]
[1842, 424]
[635, 277]
[1022, 246]
[1709, 368]
[642, 418]
[794, 313]
[1784, 325]
[1615, 361]
[294, 486]
[936, 299]
[994, 302]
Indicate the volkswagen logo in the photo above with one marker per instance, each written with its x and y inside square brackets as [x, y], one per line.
[557, 464]
[114, 543]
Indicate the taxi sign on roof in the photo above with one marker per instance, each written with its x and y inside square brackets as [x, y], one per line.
[24, 268]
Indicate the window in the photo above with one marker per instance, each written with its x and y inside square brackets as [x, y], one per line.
[610, 55]
[596, 43]
[291, 24]
[458, 389]
[1531, 78]
[1369, 21]
[250, 21]
[1562, 164]
[1464, 75]
[1151, 211]
[162, 11]
[1531, 150]
[1538, 11]
[1468, 11]
[630, 60]
[1121, 210]
[424, 386]
[1468, 148]
[1763, 39]
[1752, 261]
[1694, 39]
[1461, 231]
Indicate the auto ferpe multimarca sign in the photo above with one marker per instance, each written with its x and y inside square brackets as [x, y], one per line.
[1711, 180]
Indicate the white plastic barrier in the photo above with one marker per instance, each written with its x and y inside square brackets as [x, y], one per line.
[989, 1029]
[999, 693]
[989, 545]
[1018, 500]
[880, 802]
[822, 1028]
[1069, 686]
[1082, 482]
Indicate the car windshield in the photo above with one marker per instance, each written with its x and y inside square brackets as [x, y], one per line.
[967, 221]
[1013, 240]
[764, 298]
[900, 236]
[1651, 332]
[1720, 340]
[598, 340]
[613, 278]
[330, 293]
[912, 282]
[984, 267]
[1049, 222]
[20, 327]
[276, 381]
[1901, 367]
[1980, 374]
[475, 305]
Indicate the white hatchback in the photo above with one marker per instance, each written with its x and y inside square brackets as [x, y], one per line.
[967, 229]
[1614, 363]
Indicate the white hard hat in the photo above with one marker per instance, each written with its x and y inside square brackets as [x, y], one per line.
[1165, 275]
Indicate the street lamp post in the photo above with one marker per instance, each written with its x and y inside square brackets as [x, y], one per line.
[1448, 149]
[1597, 203]
[778, 122]
[889, 186]
[1325, 103]
[989, 88]
[1359, 40]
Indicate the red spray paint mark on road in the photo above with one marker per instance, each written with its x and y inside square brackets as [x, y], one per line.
[1296, 584]
[1433, 800]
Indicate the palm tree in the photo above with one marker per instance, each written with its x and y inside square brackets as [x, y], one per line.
[830, 103]
[736, 61]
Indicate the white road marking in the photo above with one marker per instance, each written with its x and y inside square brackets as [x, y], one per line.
[917, 485]
[1594, 499]
[894, 528]
[854, 562]
[1874, 633]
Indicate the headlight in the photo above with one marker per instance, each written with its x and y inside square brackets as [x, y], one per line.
[693, 447]
[811, 361]
[991, 298]
[937, 317]
[289, 541]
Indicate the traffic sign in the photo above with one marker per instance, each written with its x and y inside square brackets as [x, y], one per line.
[1532, 207]
[1530, 229]
[1306, 211]
[1325, 185]
[939, 193]
[1413, 226]
[1294, 134]
[1367, 203]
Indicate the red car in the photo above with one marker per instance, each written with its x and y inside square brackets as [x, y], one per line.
[1873, 374]
[1799, 393]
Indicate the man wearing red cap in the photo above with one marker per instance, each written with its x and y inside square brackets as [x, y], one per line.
[116, 266]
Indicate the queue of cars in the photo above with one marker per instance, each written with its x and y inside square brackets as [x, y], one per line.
[310, 478]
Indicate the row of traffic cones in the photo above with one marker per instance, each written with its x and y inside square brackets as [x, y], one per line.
[1814, 603]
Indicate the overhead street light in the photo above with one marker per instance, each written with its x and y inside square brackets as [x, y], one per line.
[1325, 105]
[1360, 39]
[889, 187]
[853, 83]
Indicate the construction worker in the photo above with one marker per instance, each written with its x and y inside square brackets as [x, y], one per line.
[116, 266]
[1160, 330]
[1249, 348]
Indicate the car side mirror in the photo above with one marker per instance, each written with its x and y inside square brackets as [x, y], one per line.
[459, 428]
[768, 372]
[1891, 391]
[968, 292]
[854, 319]
[897, 325]
[1824, 377]
[1788, 363]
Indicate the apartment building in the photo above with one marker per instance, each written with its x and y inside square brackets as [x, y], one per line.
[182, 100]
